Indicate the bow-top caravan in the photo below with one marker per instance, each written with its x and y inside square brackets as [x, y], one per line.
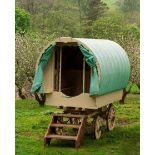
[84, 77]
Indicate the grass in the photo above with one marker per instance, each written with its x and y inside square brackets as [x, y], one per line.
[32, 122]
[134, 88]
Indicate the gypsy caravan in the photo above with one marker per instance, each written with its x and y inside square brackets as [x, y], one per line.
[84, 77]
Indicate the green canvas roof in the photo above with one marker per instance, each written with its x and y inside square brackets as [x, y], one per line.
[108, 60]
[113, 63]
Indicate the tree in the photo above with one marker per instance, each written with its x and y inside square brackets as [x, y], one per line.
[130, 5]
[127, 36]
[132, 48]
[22, 23]
[96, 10]
[131, 9]
[53, 16]
[130, 42]
[28, 48]
[33, 6]
[81, 18]
[107, 28]
[90, 11]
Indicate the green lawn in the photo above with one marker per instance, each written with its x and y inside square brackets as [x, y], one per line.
[32, 122]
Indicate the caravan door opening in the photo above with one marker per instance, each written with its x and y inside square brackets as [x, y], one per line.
[74, 75]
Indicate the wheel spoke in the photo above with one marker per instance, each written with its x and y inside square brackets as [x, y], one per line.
[111, 118]
[97, 127]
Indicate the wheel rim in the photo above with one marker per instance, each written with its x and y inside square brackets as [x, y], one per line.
[97, 127]
[111, 118]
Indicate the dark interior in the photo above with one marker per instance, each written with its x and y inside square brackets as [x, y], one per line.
[71, 71]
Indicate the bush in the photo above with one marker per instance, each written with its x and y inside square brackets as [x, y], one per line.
[28, 48]
[22, 20]
[107, 28]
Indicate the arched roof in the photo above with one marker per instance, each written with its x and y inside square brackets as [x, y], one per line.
[113, 63]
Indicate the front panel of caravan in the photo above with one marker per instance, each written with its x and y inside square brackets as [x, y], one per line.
[83, 100]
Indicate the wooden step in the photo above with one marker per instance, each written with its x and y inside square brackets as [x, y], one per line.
[51, 131]
[69, 115]
[61, 137]
[66, 125]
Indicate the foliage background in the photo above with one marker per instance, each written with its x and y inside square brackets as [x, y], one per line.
[40, 22]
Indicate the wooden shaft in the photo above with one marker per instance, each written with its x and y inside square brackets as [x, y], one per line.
[60, 66]
[83, 75]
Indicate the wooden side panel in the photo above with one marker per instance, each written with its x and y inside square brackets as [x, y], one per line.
[48, 77]
[108, 98]
[65, 40]
[81, 101]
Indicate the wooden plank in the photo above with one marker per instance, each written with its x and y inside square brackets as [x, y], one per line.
[68, 44]
[47, 140]
[108, 98]
[47, 76]
[83, 75]
[68, 115]
[81, 132]
[82, 101]
[66, 125]
[48, 129]
[64, 137]
[53, 70]
[57, 71]
[60, 67]
[65, 39]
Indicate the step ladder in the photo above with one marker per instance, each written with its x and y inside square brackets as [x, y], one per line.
[58, 124]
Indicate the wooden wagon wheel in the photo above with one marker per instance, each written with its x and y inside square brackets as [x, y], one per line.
[110, 121]
[97, 124]
[75, 121]
[59, 130]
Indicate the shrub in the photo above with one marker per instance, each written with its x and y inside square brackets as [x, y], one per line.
[22, 20]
